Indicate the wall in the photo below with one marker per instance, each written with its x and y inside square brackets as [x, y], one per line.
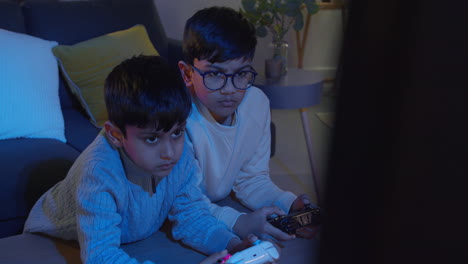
[324, 41]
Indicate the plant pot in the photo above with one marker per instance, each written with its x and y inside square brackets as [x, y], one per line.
[273, 69]
[280, 54]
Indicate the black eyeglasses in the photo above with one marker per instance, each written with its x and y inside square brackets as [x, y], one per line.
[215, 80]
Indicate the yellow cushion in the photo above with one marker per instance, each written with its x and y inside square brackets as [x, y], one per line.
[86, 65]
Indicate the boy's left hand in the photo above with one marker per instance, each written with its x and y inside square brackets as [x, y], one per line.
[256, 223]
[298, 205]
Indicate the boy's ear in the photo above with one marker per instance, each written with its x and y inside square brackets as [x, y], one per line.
[114, 134]
[186, 72]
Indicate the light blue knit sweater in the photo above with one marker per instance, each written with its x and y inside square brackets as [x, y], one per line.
[102, 207]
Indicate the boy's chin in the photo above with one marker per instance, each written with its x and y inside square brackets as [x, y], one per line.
[162, 174]
[222, 114]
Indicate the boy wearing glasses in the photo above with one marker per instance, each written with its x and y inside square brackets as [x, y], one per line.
[229, 127]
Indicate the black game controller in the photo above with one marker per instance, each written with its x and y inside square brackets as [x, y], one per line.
[309, 216]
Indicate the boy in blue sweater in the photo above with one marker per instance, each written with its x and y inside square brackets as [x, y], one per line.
[134, 174]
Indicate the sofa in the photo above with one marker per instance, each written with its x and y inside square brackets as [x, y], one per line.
[31, 163]
[30, 166]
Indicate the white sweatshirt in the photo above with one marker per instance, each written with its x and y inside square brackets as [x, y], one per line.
[236, 157]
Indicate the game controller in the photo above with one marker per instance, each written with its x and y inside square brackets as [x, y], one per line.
[261, 252]
[290, 223]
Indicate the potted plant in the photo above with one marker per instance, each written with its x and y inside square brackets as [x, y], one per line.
[277, 17]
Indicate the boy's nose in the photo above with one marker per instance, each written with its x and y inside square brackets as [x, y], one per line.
[166, 151]
[228, 88]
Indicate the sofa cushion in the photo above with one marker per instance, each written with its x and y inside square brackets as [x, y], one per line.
[83, 20]
[11, 17]
[70, 22]
[86, 65]
[29, 168]
[29, 101]
[78, 130]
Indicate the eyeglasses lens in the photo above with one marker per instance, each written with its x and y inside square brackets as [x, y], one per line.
[241, 80]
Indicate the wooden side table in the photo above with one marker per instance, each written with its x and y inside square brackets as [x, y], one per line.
[298, 89]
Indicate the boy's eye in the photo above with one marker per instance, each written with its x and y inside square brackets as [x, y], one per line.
[152, 140]
[241, 73]
[215, 74]
[177, 133]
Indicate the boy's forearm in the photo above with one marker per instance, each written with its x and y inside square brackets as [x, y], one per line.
[262, 192]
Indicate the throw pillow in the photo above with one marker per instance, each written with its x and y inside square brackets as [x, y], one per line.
[86, 65]
[29, 99]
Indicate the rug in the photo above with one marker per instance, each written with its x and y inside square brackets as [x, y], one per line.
[328, 118]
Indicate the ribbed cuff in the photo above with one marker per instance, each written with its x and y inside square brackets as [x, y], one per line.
[285, 201]
[218, 240]
[228, 216]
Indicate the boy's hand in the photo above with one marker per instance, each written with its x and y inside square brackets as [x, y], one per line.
[298, 205]
[256, 223]
[213, 259]
[236, 245]
[278, 248]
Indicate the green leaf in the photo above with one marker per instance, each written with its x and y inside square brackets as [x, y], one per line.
[299, 22]
[312, 6]
[262, 31]
[277, 16]
[248, 5]
[297, 3]
[291, 10]
[267, 19]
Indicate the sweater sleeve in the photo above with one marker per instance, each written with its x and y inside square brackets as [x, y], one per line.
[253, 186]
[98, 222]
[225, 214]
[193, 223]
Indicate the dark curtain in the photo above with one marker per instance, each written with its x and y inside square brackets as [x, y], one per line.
[395, 184]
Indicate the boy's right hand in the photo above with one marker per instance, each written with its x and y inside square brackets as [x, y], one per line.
[235, 246]
[213, 259]
[256, 223]
[249, 241]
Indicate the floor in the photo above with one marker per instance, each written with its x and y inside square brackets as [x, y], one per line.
[290, 167]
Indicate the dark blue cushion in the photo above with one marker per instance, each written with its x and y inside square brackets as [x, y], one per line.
[11, 227]
[29, 168]
[174, 52]
[11, 17]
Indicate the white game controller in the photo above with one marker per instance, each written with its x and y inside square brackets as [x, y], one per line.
[261, 252]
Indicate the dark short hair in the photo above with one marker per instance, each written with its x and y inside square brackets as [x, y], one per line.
[218, 34]
[144, 91]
